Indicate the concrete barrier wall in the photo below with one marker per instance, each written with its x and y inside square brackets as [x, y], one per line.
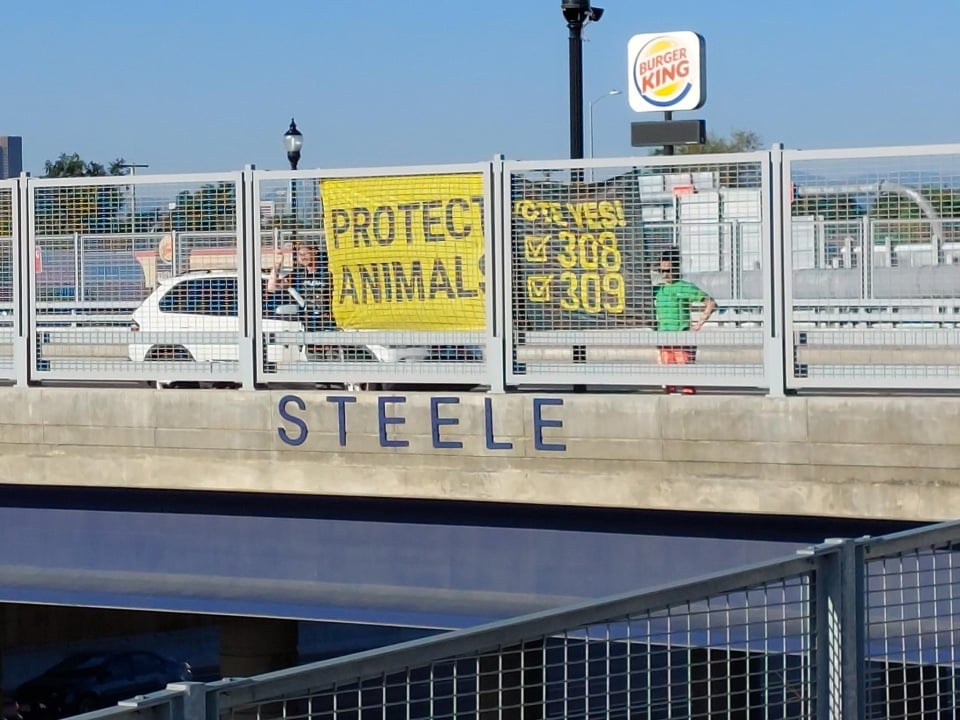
[861, 457]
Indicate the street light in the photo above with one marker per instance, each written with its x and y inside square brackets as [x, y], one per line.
[292, 142]
[593, 102]
[132, 167]
[577, 13]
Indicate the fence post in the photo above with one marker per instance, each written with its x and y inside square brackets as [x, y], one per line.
[248, 284]
[838, 630]
[866, 259]
[853, 630]
[774, 343]
[826, 632]
[497, 283]
[21, 284]
[192, 704]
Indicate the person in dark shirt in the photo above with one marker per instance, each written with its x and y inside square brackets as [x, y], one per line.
[311, 280]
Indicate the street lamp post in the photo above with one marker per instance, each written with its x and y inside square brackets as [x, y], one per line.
[292, 142]
[577, 13]
[132, 167]
[593, 102]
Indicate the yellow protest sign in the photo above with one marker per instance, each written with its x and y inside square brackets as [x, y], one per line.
[573, 254]
[406, 252]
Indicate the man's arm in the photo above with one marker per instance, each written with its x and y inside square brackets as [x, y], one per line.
[274, 281]
[709, 305]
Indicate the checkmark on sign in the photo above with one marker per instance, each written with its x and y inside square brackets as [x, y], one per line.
[535, 248]
[538, 288]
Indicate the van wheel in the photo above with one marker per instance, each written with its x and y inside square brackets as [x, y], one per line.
[167, 353]
[362, 387]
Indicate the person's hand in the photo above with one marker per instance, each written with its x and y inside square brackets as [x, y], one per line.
[697, 325]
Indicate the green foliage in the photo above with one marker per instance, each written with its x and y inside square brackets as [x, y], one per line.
[73, 166]
[79, 208]
[212, 207]
[738, 141]
[100, 208]
[731, 175]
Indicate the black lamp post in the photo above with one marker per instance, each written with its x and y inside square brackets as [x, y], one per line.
[576, 13]
[292, 142]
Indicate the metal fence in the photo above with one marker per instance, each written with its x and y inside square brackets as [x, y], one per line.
[864, 629]
[912, 625]
[103, 246]
[584, 264]
[404, 300]
[872, 284]
[829, 269]
[9, 231]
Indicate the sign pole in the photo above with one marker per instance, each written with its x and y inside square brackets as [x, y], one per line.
[668, 115]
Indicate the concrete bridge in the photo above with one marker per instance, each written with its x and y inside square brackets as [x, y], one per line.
[881, 458]
[425, 509]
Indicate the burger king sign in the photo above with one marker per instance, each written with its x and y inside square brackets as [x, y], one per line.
[666, 71]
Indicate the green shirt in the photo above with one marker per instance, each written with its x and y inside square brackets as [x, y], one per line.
[672, 303]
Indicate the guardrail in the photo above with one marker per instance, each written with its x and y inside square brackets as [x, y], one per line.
[830, 270]
[863, 628]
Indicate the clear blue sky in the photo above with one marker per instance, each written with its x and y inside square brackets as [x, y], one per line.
[208, 85]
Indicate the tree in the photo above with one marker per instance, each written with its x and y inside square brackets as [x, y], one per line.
[730, 175]
[73, 166]
[212, 207]
[79, 208]
[739, 141]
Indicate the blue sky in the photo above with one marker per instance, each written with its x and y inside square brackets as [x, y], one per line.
[210, 85]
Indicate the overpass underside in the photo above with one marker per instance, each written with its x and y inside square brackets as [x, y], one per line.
[852, 628]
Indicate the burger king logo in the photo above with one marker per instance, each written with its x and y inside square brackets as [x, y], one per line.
[665, 71]
[661, 71]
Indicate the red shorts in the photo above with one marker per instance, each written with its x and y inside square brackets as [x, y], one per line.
[677, 355]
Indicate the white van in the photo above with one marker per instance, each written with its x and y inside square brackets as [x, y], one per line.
[198, 311]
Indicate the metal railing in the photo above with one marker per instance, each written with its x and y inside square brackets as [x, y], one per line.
[9, 232]
[830, 269]
[862, 629]
[582, 262]
[403, 252]
[871, 286]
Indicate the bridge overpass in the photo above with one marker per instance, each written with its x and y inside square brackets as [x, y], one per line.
[838, 321]
[427, 509]
[881, 458]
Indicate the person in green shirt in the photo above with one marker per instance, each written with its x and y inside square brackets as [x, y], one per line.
[672, 303]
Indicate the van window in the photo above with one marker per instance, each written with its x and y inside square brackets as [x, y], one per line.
[202, 296]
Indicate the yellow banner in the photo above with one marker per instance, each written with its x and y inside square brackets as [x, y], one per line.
[406, 252]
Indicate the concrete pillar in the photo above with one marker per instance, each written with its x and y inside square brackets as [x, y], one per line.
[250, 646]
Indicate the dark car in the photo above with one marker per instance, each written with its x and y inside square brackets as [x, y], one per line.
[93, 680]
